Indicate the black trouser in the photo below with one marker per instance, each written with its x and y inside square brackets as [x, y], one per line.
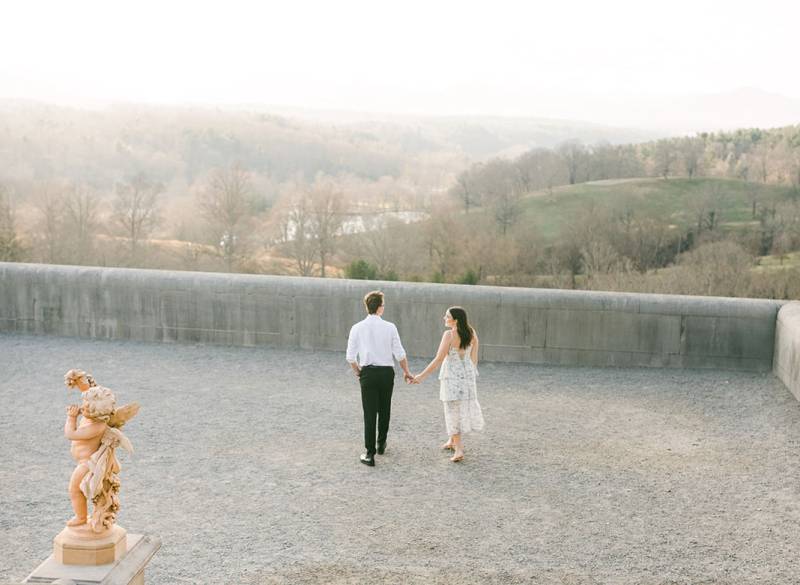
[377, 383]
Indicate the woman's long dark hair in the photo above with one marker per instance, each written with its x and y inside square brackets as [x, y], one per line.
[465, 332]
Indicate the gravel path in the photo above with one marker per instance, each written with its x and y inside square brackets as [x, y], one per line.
[246, 465]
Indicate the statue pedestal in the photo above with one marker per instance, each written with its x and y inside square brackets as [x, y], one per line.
[127, 570]
[80, 546]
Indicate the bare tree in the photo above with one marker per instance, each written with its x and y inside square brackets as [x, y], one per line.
[296, 227]
[465, 189]
[599, 257]
[10, 246]
[492, 256]
[664, 157]
[507, 208]
[134, 209]
[49, 206]
[310, 220]
[692, 152]
[714, 196]
[706, 207]
[573, 154]
[567, 257]
[327, 205]
[760, 156]
[503, 188]
[717, 268]
[382, 244]
[754, 194]
[530, 252]
[770, 229]
[646, 242]
[224, 204]
[698, 206]
[592, 234]
[540, 168]
[601, 162]
[442, 239]
[81, 207]
[787, 227]
[793, 169]
[595, 243]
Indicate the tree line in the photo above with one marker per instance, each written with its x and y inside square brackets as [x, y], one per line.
[484, 235]
[196, 211]
[753, 155]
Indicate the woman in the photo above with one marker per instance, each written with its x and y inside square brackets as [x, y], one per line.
[458, 357]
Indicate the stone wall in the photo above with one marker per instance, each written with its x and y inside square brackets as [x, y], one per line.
[787, 347]
[514, 325]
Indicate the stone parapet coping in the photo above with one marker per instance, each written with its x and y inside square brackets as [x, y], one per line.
[542, 326]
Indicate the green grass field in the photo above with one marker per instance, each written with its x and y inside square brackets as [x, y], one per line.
[778, 262]
[675, 201]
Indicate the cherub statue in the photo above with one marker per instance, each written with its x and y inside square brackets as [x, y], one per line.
[94, 442]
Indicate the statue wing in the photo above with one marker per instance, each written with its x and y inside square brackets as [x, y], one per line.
[122, 439]
[123, 414]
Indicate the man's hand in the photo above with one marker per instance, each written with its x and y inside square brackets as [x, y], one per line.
[409, 378]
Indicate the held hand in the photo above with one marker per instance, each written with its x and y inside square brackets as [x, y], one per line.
[408, 378]
[416, 379]
[73, 411]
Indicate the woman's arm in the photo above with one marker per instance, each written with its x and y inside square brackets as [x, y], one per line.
[474, 353]
[441, 353]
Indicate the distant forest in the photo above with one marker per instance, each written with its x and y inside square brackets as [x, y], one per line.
[483, 201]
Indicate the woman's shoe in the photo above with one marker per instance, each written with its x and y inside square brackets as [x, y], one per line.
[448, 446]
[457, 457]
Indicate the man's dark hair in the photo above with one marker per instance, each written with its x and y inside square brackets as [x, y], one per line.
[373, 300]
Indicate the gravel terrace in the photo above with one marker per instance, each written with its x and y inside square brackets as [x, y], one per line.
[246, 465]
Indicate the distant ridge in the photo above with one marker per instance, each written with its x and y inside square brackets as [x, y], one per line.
[745, 107]
[478, 137]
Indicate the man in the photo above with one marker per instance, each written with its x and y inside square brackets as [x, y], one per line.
[371, 346]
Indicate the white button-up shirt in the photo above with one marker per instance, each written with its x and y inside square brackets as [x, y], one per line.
[373, 342]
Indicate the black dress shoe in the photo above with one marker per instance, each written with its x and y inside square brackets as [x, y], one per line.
[381, 448]
[368, 459]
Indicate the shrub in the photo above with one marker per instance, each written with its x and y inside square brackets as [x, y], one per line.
[469, 277]
[360, 270]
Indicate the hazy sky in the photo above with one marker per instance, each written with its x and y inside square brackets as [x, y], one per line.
[443, 57]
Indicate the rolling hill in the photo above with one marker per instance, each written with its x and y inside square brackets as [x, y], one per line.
[548, 213]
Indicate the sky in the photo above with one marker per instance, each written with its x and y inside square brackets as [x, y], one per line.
[442, 57]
